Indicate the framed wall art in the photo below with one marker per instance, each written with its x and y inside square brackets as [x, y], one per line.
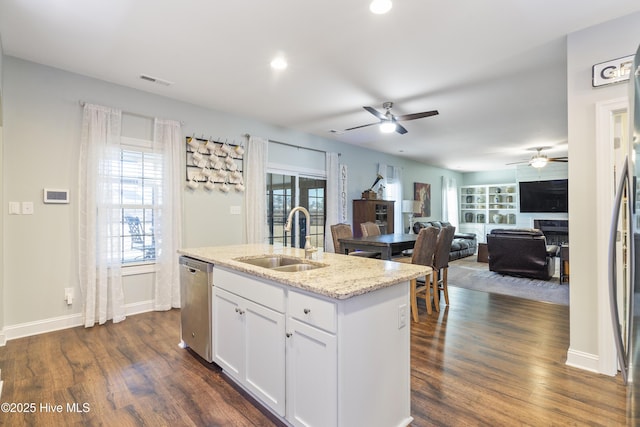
[422, 193]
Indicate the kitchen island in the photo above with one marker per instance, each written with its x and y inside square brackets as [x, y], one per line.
[325, 346]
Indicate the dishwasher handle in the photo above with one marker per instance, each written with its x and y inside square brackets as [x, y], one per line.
[194, 265]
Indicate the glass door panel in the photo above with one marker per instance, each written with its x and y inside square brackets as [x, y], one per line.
[287, 191]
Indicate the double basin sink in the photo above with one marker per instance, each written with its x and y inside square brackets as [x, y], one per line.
[282, 263]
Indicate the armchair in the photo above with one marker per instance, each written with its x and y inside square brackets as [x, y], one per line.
[521, 252]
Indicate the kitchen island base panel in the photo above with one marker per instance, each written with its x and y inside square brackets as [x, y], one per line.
[375, 361]
[347, 361]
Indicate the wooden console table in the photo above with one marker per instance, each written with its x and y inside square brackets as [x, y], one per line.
[564, 263]
[483, 252]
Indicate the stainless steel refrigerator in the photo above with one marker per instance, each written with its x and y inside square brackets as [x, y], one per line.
[624, 254]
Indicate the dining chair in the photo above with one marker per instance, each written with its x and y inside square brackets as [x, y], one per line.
[423, 253]
[343, 231]
[441, 264]
[370, 229]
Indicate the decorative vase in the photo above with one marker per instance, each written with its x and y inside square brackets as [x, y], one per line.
[497, 218]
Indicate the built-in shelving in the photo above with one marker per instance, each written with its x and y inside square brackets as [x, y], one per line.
[489, 204]
[484, 207]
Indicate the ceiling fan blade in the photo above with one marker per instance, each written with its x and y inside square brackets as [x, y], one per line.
[559, 159]
[414, 116]
[400, 129]
[375, 112]
[518, 163]
[362, 126]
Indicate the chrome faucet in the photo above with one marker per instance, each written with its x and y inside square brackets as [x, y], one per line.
[308, 249]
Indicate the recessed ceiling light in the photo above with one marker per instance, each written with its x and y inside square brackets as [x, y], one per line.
[380, 7]
[279, 63]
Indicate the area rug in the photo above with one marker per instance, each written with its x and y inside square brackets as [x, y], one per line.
[469, 274]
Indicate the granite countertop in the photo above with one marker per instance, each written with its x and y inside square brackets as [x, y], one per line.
[342, 276]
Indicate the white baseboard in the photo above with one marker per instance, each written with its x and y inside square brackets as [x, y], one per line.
[28, 329]
[581, 360]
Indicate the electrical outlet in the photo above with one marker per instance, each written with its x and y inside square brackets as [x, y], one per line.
[27, 208]
[68, 295]
[402, 316]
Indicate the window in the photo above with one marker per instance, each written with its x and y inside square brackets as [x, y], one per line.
[285, 191]
[141, 184]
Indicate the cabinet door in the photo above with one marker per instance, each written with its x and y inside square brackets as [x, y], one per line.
[312, 376]
[228, 332]
[265, 355]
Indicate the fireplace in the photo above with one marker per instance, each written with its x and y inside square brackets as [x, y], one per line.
[556, 231]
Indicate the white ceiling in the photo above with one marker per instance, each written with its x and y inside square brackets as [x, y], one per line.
[495, 69]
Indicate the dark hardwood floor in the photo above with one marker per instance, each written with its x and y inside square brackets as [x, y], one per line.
[487, 360]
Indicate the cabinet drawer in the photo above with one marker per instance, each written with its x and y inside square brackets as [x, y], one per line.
[266, 294]
[312, 310]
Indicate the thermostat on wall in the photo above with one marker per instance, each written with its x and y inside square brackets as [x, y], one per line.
[56, 196]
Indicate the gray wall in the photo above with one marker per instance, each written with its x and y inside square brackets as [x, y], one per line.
[1, 193]
[614, 39]
[41, 139]
[489, 177]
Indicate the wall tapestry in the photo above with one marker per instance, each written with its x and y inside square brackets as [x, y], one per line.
[422, 193]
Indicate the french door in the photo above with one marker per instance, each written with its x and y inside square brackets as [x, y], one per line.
[284, 192]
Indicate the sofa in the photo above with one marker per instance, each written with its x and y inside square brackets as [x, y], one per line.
[521, 252]
[463, 245]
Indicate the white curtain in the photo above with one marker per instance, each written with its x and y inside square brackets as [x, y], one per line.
[255, 195]
[382, 171]
[398, 225]
[393, 191]
[392, 184]
[167, 231]
[450, 201]
[99, 213]
[332, 197]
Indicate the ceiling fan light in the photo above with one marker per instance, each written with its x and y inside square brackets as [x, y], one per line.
[380, 7]
[279, 63]
[387, 126]
[538, 162]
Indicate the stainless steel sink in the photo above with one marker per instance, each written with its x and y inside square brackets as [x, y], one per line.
[297, 267]
[272, 261]
[281, 263]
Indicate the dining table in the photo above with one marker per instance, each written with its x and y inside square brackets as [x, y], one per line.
[386, 244]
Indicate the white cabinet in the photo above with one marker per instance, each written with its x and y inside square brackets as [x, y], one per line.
[312, 375]
[249, 339]
[311, 359]
[489, 204]
[330, 363]
[228, 333]
[477, 229]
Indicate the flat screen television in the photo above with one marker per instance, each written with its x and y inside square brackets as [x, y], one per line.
[544, 196]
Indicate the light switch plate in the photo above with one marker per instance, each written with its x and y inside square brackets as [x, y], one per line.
[27, 208]
[14, 208]
[234, 210]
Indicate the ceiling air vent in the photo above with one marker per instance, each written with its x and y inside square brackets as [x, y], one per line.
[156, 80]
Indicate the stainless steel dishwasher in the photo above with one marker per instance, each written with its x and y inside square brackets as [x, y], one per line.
[196, 281]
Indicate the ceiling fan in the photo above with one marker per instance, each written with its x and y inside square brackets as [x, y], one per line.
[540, 160]
[389, 123]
